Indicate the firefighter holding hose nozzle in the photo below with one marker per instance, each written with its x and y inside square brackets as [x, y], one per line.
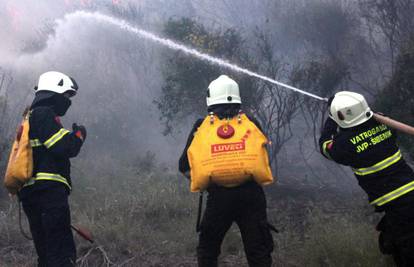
[351, 136]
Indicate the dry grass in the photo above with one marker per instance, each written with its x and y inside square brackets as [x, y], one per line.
[148, 219]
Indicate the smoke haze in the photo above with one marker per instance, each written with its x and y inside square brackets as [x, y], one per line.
[120, 75]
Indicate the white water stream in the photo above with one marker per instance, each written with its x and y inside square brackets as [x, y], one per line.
[176, 46]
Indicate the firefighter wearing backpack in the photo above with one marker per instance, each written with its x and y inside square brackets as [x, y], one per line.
[45, 196]
[352, 137]
[225, 155]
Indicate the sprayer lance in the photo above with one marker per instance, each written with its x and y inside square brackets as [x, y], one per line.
[394, 124]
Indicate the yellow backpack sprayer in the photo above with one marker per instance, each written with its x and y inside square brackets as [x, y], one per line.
[228, 152]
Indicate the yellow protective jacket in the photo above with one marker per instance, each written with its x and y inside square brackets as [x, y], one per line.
[228, 152]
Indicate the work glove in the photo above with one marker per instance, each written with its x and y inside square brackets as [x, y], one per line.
[80, 131]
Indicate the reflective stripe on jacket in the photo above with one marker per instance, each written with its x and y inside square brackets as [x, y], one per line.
[48, 177]
[51, 141]
[371, 151]
[394, 194]
[53, 146]
[380, 165]
[55, 138]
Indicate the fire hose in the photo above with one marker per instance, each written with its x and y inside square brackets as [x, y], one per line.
[402, 127]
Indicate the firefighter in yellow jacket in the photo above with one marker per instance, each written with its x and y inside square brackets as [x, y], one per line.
[226, 156]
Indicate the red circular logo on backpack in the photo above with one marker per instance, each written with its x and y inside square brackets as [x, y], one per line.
[225, 131]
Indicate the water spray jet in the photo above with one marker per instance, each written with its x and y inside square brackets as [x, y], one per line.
[122, 24]
[179, 47]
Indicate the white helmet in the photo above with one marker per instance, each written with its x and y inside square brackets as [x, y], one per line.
[349, 109]
[57, 82]
[223, 90]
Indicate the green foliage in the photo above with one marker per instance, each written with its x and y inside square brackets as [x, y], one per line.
[397, 98]
[187, 78]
